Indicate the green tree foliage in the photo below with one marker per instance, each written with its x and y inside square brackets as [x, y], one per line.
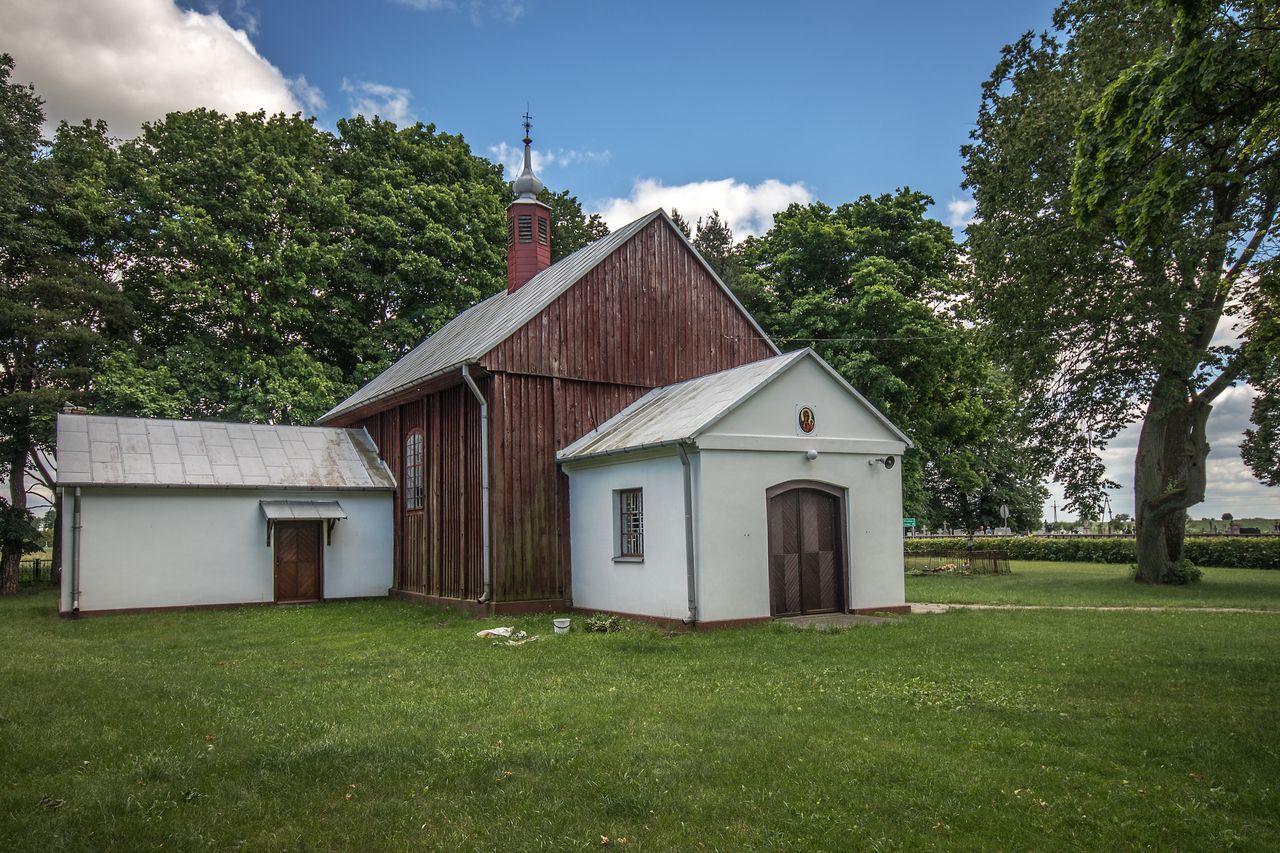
[571, 228]
[714, 241]
[870, 285]
[1261, 446]
[681, 223]
[58, 307]
[426, 238]
[274, 267]
[1125, 175]
[235, 234]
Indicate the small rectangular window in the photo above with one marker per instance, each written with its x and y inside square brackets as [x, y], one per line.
[525, 229]
[542, 230]
[511, 232]
[413, 471]
[630, 523]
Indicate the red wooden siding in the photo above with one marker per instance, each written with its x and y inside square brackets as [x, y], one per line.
[438, 549]
[649, 315]
[532, 418]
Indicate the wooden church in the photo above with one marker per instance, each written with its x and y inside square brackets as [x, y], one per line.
[613, 432]
[471, 420]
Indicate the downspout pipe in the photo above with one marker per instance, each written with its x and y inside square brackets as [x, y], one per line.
[75, 551]
[484, 485]
[690, 559]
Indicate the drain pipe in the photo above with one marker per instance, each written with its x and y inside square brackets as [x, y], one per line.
[75, 551]
[484, 484]
[690, 565]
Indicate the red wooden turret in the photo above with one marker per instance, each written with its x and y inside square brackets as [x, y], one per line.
[528, 225]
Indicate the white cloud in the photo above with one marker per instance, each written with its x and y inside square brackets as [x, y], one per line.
[242, 15]
[311, 98]
[960, 212]
[131, 61]
[507, 11]
[748, 208]
[378, 99]
[512, 157]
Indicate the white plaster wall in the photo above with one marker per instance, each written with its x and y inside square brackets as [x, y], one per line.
[732, 526]
[772, 410]
[658, 586]
[172, 547]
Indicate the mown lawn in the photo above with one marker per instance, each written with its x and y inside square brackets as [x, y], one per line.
[383, 725]
[1097, 584]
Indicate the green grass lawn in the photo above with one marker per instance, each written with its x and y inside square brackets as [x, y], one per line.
[384, 725]
[1098, 584]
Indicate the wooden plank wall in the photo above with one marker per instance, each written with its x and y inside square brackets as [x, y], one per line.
[438, 549]
[533, 417]
[650, 315]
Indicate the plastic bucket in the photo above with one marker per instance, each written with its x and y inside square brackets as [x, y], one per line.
[561, 625]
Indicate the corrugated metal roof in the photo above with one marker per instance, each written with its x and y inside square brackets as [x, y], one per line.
[480, 328]
[107, 451]
[302, 510]
[679, 413]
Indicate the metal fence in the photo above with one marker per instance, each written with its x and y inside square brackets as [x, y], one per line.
[960, 561]
[37, 570]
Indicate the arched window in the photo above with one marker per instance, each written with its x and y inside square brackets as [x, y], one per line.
[413, 470]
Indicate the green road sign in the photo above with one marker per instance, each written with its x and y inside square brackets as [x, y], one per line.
[908, 522]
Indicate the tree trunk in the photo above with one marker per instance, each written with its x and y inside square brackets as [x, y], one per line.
[1169, 476]
[11, 552]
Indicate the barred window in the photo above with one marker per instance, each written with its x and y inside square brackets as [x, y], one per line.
[630, 523]
[524, 228]
[511, 232]
[413, 470]
[542, 230]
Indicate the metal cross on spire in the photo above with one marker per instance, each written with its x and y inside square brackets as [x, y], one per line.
[528, 123]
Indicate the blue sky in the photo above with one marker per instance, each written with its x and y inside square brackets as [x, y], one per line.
[842, 98]
[740, 106]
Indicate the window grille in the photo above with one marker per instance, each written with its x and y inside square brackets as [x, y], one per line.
[525, 229]
[542, 230]
[511, 232]
[413, 471]
[631, 523]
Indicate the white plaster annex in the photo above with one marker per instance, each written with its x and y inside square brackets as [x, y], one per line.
[793, 502]
[163, 513]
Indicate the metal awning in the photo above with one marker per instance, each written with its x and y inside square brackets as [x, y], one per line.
[330, 512]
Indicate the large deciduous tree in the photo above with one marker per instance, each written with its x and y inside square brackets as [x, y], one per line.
[424, 238]
[58, 306]
[1126, 178]
[275, 267]
[871, 286]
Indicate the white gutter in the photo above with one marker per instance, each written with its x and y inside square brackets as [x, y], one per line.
[484, 483]
[690, 562]
[75, 551]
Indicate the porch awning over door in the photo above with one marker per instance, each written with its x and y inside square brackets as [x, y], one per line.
[330, 512]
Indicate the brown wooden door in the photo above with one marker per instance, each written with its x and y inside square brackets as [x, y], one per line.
[806, 557]
[299, 561]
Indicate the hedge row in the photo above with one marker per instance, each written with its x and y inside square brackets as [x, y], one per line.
[1242, 552]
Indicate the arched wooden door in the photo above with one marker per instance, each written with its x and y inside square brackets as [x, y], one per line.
[806, 549]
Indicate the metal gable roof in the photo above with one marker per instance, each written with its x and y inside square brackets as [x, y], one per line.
[107, 451]
[480, 328]
[679, 413]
